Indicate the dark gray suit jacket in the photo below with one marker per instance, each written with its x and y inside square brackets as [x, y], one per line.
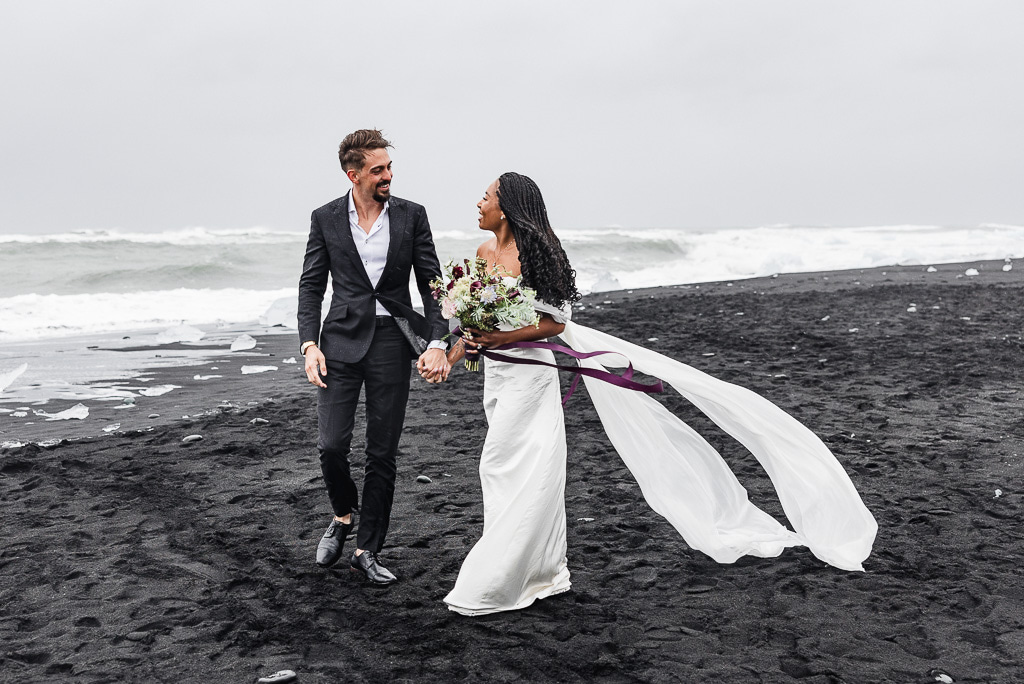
[348, 328]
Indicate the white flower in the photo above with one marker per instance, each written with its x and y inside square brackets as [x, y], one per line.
[488, 294]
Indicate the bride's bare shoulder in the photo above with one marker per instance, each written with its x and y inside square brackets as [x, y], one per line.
[487, 246]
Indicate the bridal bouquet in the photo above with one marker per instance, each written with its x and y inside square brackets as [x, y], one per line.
[482, 299]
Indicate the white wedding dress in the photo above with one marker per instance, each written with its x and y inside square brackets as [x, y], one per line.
[522, 554]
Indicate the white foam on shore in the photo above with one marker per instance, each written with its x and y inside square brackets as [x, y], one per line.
[34, 316]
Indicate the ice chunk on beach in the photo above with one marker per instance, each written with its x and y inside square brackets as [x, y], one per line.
[971, 272]
[1007, 267]
[180, 333]
[249, 370]
[112, 427]
[931, 269]
[283, 312]
[158, 390]
[76, 412]
[206, 377]
[6, 378]
[243, 342]
[289, 360]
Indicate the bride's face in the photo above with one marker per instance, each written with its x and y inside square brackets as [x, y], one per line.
[490, 213]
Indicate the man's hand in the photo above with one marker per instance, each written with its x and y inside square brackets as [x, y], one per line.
[316, 365]
[433, 365]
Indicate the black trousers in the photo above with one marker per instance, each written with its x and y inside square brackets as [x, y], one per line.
[385, 372]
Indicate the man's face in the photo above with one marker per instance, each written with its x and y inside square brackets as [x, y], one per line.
[375, 176]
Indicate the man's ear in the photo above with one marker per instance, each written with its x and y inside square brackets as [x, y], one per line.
[352, 174]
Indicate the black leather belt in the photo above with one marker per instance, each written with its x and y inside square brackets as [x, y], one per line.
[385, 321]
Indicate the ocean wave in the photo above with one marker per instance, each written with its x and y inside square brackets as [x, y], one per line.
[93, 281]
[188, 237]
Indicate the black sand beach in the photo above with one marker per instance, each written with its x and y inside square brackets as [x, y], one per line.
[137, 557]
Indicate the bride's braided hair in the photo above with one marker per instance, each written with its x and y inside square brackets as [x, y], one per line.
[545, 267]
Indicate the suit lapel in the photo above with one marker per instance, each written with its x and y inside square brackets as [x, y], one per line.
[398, 218]
[348, 245]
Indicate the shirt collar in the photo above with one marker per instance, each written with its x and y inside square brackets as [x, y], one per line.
[354, 214]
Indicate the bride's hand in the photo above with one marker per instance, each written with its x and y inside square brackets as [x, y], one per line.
[486, 340]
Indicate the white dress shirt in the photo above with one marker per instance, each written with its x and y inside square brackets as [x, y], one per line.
[372, 246]
[373, 250]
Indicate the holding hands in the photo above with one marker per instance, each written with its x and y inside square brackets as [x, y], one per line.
[433, 366]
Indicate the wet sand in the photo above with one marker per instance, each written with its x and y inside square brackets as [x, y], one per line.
[136, 557]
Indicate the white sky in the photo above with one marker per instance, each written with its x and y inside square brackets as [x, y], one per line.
[150, 116]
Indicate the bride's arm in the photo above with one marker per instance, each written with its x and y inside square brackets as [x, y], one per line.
[457, 352]
[495, 338]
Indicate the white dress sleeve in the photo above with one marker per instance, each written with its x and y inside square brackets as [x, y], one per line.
[560, 315]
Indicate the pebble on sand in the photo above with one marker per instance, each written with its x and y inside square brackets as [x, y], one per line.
[191, 438]
[259, 421]
[424, 479]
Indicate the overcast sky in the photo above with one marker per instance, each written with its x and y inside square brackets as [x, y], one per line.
[152, 116]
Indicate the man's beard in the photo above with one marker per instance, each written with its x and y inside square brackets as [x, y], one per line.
[381, 195]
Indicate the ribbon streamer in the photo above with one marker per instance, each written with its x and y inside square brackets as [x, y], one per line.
[625, 380]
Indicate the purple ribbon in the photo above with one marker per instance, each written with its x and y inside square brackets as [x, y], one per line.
[625, 380]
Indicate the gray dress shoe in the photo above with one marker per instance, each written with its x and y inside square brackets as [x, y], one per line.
[368, 564]
[328, 551]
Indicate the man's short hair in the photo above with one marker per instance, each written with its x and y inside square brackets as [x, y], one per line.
[353, 149]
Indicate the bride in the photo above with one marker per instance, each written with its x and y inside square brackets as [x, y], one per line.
[521, 556]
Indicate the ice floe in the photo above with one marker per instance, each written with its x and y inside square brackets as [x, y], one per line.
[243, 342]
[158, 390]
[7, 377]
[76, 412]
[180, 333]
[249, 370]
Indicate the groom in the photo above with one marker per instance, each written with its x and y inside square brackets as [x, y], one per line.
[368, 242]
